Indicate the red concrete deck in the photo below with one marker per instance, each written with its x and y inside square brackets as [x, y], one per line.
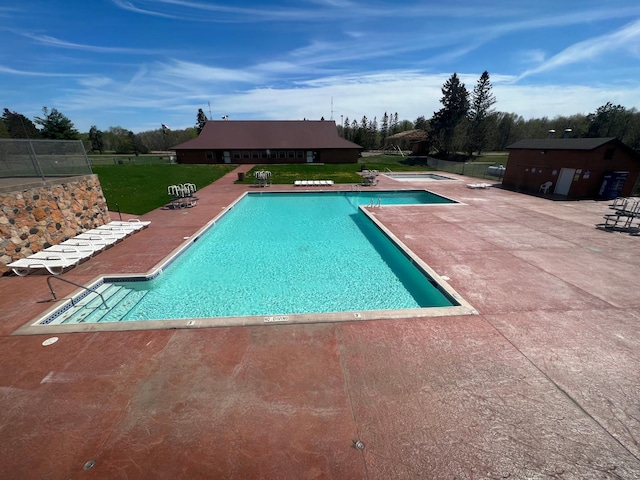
[544, 383]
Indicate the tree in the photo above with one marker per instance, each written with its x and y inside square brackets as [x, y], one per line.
[455, 105]
[19, 126]
[4, 132]
[421, 123]
[201, 120]
[482, 99]
[384, 128]
[96, 139]
[609, 121]
[56, 126]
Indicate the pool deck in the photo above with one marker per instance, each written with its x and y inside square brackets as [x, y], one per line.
[543, 383]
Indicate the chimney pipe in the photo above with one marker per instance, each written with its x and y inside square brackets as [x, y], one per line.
[567, 132]
[551, 133]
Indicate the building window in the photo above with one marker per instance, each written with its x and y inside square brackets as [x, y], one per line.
[291, 154]
[236, 154]
[255, 154]
[209, 155]
[245, 154]
[282, 154]
[300, 154]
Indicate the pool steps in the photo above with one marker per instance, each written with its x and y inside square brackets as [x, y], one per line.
[120, 300]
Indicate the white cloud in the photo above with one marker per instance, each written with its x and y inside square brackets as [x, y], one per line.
[588, 50]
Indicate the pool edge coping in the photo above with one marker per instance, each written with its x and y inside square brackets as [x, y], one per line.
[35, 327]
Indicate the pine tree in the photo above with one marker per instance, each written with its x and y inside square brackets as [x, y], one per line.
[19, 126]
[455, 105]
[56, 126]
[201, 120]
[482, 99]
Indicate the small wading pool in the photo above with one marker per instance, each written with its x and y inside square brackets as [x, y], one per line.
[274, 258]
[416, 177]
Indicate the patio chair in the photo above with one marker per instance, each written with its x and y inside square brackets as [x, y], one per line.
[544, 188]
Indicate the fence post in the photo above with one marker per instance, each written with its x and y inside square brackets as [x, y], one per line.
[34, 160]
[86, 159]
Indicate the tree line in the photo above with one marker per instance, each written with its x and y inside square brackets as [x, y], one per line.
[53, 125]
[466, 123]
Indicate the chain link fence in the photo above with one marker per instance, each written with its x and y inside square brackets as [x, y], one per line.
[42, 158]
[470, 169]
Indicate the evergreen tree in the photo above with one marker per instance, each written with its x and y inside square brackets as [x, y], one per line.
[348, 134]
[19, 126]
[482, 99]
[201, 120]
[455, 105]
[56, 126]
[96, 139]
[384, 128]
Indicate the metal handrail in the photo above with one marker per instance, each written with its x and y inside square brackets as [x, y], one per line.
[77, 285]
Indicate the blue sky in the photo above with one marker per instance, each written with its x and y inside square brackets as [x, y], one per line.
[140, 63]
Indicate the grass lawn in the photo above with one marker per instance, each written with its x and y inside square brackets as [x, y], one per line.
[138, 189]
[339, 173]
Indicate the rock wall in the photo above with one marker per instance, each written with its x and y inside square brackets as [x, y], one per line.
[37, 215]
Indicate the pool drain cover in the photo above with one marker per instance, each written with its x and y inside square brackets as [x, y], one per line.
[358, 444]
[89, 465]
[49, 341]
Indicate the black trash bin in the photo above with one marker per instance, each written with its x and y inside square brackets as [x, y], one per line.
[241, 176]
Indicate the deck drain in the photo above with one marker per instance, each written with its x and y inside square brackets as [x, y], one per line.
[49, 341]
[358, 444]
[357, 315]
[89, 465]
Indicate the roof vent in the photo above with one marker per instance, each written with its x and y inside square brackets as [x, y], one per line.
[551, 133]
[567, 133]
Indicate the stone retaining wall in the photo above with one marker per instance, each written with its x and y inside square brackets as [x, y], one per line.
[37, 215]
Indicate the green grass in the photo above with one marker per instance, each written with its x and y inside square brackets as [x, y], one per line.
[339, 173]
[138, 189]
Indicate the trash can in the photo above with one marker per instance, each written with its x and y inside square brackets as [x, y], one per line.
[241, 176]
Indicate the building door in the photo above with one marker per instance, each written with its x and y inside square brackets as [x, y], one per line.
[227, 157]
[309, 156]
[564, 181]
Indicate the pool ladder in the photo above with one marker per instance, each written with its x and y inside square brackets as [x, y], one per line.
[377, 204]
[77, 285]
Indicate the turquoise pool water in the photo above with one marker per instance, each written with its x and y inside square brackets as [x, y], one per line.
[282, 254]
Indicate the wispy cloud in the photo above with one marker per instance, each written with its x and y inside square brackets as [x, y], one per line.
[26, 73]
[591, 49]
[56, 42]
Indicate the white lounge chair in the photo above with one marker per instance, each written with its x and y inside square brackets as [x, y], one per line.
[84, 245]
[134, 223]
[108, 232]
[55, 265]
[297, 183]
[98, 240]
[82, 251]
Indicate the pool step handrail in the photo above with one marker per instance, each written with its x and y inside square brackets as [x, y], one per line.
[77, 285]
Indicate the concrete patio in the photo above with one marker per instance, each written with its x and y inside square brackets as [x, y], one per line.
[543, 383]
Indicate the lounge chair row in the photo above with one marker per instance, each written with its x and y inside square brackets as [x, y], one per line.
[313, 183]
[57, 258]
[626, 213]
[478, 185]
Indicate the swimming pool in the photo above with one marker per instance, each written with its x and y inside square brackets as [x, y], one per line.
[416, 177]
[279, 257]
